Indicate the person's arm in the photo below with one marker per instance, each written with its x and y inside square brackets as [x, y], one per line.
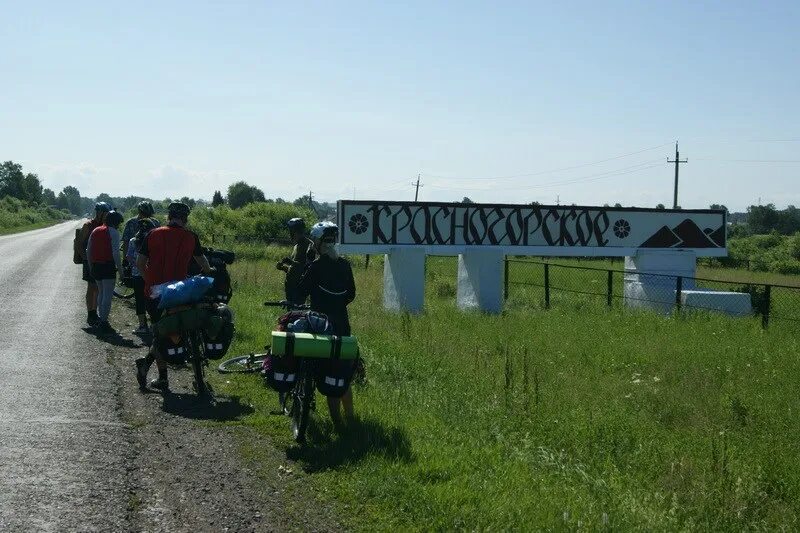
[200, 257]
[351, 285]
[88, 251]
[142, 257]
[114, 233]
[307, 281]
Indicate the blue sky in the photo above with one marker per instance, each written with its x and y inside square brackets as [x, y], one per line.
[181, 98]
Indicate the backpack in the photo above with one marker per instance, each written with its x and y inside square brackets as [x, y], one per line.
[173, 350]
[218, 335]
[79, 244]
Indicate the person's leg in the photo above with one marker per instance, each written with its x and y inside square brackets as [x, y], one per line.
[104, 298]
[91, 294]
[154, 354]
[138, 294]
[347, 403]
[334, 407]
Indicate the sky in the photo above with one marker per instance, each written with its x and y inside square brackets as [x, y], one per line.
[575, 102]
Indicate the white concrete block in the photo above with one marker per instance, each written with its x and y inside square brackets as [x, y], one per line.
[732, 303]
[480, 280]
[404, 279]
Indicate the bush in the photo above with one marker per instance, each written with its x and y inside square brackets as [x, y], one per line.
[16, 214]
[254, 223]
[786, 266]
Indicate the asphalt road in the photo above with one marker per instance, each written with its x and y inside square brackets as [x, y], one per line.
[82, 449]
[62, 446]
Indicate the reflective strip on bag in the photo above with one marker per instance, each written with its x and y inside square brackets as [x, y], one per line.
[219, 346]
[333, 382]
[279, 376]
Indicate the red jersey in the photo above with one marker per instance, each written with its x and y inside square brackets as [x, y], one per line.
[169, 251]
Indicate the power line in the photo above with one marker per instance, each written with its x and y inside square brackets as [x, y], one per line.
[554, 170]
[749, 160]
[582, 179]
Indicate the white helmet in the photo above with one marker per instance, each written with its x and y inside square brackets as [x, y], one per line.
[325, 231]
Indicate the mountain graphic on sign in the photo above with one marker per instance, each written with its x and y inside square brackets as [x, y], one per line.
[687, 234]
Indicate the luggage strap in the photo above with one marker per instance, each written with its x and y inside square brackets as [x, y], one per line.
[336, 347]
[289, 350]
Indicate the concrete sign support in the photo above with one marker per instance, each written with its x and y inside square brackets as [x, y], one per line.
[404, 280]
[480, 280]
[651, 277]
[481, 234]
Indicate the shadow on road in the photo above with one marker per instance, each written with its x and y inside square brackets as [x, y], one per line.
[114, 339]
[362, 438]
[218, 410]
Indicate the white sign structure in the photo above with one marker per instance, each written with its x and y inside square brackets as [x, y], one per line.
[482, 234]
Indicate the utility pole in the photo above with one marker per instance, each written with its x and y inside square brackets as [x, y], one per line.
[417, 185]
[677, 162]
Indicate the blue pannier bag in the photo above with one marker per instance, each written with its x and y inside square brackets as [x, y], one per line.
[189, 291]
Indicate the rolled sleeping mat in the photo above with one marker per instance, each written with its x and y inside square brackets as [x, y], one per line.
[313, 346]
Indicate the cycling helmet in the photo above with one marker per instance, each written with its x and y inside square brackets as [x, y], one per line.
[113, 219]
[296, 224]
[145, 209]
[102, 207]
[178, 210]
[325, 231]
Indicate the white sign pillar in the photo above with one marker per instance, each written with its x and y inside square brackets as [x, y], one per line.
[651, 277]
[480, 279]
[404, 279]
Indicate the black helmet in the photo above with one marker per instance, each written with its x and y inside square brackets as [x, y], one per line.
[113, 219]
[178, 210]
[102, 207]
[146, 224]
[145, 209]
[296, 224]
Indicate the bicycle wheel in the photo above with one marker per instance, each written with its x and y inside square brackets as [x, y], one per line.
[123, 292]
[245, 364]
[197, 366]
[302, 395]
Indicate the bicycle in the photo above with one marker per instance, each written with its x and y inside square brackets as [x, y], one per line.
[188, 323]
[124, 286]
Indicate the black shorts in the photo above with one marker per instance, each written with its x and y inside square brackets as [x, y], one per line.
[87, 273]
[104, 270]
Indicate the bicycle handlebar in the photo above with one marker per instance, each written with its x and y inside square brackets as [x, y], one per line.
[289, 306]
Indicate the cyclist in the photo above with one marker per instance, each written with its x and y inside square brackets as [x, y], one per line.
[295, 265]
[144, 211]
[164, 256]
[145, 226]
[102, 250]
[100, 210]
[328, 280]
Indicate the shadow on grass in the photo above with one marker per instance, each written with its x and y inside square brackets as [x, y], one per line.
[112, 338]
[196, 408]
[325, 450]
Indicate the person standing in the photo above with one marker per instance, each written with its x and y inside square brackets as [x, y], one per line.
[330, 284]
[102, 250]
[164, 256]
[145, 225]
[144, 211]
[296, 264]
[100, 211]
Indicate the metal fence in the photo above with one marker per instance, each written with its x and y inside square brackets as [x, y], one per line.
[552, 284]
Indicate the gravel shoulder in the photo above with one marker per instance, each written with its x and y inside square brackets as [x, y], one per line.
[191, 474]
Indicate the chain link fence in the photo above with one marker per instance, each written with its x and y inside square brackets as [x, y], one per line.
[549, 284]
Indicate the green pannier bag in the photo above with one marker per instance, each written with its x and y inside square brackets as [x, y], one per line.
[186, 320]
[315, 346]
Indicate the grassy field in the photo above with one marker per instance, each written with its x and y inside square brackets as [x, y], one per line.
[572, 418]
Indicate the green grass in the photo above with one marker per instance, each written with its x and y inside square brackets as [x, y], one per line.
[572, 418]
[17, 216]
